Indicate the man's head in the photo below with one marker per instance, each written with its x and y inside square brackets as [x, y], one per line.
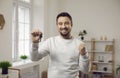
[64, 23]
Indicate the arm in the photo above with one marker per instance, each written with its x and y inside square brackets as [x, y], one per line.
[38, 52]
[84, 63]
[83, 59]
[34, 52]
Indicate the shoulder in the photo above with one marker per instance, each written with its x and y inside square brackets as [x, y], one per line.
[47, 41]
[51, 39]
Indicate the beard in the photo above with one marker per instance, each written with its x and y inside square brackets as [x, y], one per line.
[65, 32]
[64, 35]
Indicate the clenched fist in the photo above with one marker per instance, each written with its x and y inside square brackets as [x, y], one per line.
[82, 49]
[36, 35]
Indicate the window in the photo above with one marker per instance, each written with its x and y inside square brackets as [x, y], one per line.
[21, 28]
[28, 1]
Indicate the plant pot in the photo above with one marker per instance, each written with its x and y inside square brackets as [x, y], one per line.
[24, 61]
[82, 37]
[4, 70]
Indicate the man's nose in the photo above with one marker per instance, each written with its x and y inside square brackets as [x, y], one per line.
[63, 25]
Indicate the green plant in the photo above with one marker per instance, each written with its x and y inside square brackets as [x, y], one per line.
[82, 33]
[5, 64]
[24, 57]
[118, 69]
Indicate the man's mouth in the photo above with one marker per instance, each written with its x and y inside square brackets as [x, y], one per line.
[65, 29]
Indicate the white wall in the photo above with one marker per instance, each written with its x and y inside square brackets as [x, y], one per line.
[6, 33]
[50, 11]
[91, 14]
[38, 14]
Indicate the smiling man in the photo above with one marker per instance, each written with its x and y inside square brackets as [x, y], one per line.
[67, 54]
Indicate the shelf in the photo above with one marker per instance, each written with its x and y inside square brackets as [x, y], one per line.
[101, 50]
[105, 52]
[86, 41]
[101, 62]
[110, 40]
[101, 71]
[103, 40]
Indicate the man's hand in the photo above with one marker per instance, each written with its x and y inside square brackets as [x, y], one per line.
[36, 35]
[82, 49]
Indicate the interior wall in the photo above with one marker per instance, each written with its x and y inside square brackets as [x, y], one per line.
[38, 14]
[6, 33]
[100, 15]
[50, 11]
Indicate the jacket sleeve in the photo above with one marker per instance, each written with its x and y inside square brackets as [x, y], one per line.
[37, 52]
[84, 63]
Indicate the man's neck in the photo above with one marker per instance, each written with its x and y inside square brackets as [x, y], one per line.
[67, 37]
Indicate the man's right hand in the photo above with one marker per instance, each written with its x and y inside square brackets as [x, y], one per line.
[36, 35]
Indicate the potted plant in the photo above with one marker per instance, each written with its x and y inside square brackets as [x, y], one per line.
[118, 69]
[82, 33]
[4, 66]
[24, 57]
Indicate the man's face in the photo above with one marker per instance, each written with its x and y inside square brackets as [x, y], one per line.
[64, 26]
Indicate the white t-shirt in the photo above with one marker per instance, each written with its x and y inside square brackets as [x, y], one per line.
[65, 60]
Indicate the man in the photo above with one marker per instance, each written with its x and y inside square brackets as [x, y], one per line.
[67, 55]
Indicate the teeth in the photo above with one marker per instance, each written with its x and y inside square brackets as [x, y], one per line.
[63, 30]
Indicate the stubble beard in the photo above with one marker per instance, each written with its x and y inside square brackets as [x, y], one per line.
[66, 36]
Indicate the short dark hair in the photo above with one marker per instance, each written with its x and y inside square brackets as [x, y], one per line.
[64, 14]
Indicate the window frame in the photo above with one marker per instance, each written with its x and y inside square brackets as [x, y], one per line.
[15, 21]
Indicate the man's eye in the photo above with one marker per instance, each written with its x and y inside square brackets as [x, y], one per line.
[67, 23]
[59, 23]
